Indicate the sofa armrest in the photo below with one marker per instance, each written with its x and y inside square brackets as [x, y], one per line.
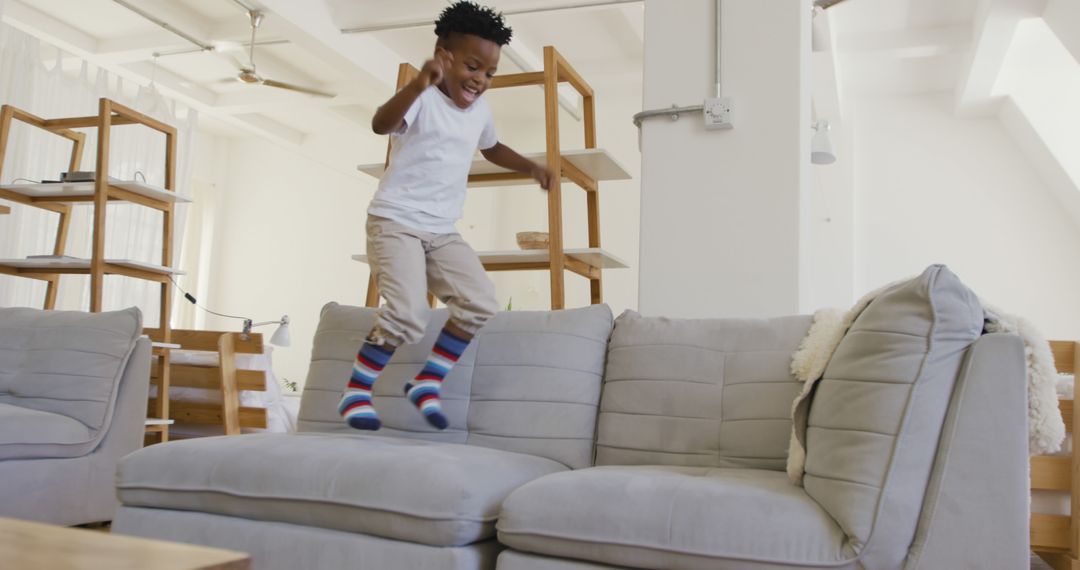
[128, 423]
[975, 514]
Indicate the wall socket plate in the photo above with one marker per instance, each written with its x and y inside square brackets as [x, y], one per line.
[718, 113]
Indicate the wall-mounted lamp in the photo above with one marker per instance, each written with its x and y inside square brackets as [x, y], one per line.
[821, 150]
[281, 335]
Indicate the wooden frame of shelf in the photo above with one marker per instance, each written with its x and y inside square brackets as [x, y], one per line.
[1056, 538]
[558, 261]
[110, 114]
[224, 377]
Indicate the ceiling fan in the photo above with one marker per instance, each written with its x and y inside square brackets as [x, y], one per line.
[248, 73]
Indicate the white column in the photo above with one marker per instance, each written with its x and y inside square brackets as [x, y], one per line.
[720, 211]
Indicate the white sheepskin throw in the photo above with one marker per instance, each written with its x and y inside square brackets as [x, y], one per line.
[1046, 428]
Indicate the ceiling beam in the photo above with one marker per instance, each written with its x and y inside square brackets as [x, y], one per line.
[233, 31]
[139, 47]
[310, 25]
[1063, 16]
[170, 16]
[48, 29]
[349, 9]
[994, 26]
[904, 44]
[258, 99]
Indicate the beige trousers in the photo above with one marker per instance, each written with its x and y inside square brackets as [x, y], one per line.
[408, 263]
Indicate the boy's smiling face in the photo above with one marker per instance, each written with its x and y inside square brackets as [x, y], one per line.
[468, 70]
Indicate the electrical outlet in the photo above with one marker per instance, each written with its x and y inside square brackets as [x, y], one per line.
[718, 113]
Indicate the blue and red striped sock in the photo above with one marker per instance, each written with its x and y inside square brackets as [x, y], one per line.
[423, 392]
[355, 404]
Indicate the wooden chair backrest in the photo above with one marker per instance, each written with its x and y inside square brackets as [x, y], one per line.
[224, 377]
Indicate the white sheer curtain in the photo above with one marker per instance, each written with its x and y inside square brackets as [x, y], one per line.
[132, 232]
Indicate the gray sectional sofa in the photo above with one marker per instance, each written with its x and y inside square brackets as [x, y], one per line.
[579, 442]
[72, 402]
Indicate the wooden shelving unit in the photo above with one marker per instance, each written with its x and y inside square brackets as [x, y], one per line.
[60, 198]
[585, 168]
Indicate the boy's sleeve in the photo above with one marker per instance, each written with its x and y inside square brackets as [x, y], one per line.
[487, 136]
[410, 115]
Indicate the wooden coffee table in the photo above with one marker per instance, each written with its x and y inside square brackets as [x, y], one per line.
[32, 546]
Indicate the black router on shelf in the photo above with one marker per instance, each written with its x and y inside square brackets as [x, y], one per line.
[78, 176]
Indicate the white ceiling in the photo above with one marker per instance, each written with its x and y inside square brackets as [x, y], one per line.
[902, 46]
[880, 47]
[599, 41]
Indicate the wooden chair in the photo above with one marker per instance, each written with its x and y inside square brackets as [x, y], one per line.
[221, 376]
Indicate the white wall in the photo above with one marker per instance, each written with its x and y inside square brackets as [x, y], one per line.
[828, 255]
[933, 188]
[284, 230]
[208, 178]
[720, 210]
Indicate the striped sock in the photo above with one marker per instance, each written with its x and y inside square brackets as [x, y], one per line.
[355, 404]
[424, 390]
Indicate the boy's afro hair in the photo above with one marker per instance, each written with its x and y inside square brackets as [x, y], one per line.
[466, 17]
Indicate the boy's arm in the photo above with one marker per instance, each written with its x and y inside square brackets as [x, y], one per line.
[389, 116]
[506, 157]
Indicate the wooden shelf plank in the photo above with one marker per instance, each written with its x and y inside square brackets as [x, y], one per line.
[1051, 472]
[75, 192]
[1049, 531]
[206, 413]
[5, 209]
[45, 266]
[596, 163]
[538, 259]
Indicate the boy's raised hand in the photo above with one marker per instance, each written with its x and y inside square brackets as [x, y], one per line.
[434, 69]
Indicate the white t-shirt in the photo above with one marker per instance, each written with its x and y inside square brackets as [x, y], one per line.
[430, 156]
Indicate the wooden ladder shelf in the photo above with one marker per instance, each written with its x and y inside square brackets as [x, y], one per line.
[60, 197]
[585, 168]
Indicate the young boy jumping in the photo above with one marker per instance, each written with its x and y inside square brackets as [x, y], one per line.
[436, 123]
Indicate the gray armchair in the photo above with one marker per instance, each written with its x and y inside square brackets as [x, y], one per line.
[73, 389]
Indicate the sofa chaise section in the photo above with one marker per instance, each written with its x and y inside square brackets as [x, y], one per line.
[403, 489]
[522, 404]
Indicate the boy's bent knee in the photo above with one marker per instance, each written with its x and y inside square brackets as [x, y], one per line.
[401, 327]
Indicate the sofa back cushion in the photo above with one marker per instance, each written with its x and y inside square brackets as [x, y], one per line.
[710, 392]
[65, 362]
[529, 382]
[875, 417]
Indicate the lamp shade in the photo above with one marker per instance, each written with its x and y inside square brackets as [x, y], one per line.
[281, 335]
[821, 150]
[821, 146]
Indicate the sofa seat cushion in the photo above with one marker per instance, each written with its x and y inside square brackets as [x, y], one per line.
[671, 517]
[26, 433]
[427, 492]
